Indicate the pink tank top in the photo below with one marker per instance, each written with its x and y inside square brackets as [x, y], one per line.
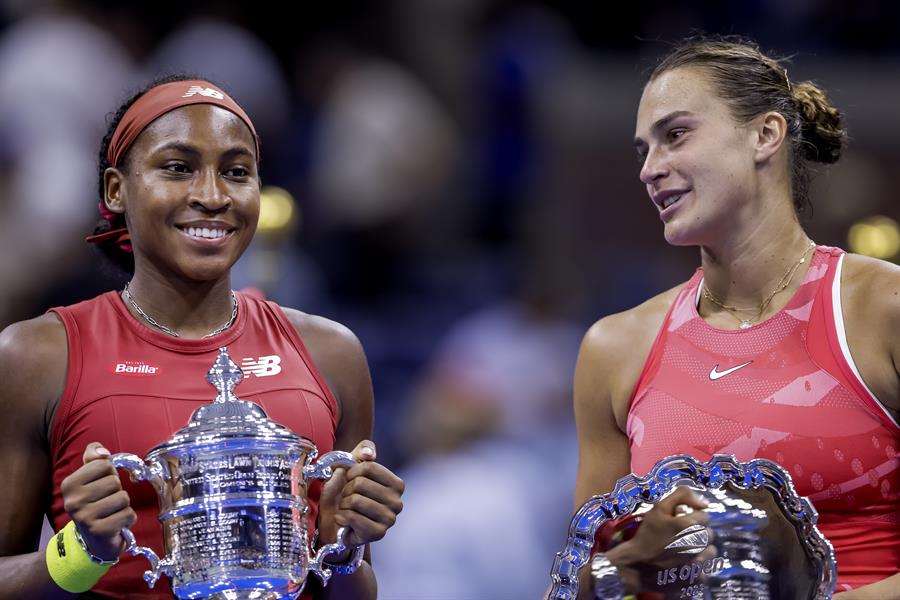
[131, 387]
[787, 390]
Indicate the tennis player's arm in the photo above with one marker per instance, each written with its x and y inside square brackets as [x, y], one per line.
[886, 589]
[884, 301]
[32, 369]
[339, 356]
[603, 449]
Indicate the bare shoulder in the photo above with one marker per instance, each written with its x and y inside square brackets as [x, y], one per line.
[875, 280]
[323, 336]
[614, 350]
[33, 365]
[609, 363]
[870, 295]
[33, 347]
[621, 337]
[38, 335]
[339, 357]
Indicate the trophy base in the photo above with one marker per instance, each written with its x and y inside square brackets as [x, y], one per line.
[260, 587]
[251, 594]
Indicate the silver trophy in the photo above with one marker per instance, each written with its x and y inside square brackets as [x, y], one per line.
[232, 489]
[757, 541]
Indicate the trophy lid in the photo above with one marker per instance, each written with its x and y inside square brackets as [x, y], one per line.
[228, 417]
[224, 375]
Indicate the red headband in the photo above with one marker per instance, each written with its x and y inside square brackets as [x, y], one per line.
[162, 99]
[146, 109]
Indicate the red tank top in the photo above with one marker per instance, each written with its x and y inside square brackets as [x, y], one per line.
[130, 388]
[787, 390]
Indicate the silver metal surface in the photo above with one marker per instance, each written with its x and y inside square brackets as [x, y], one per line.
[760, 541]
[605, 577]
[232, 489]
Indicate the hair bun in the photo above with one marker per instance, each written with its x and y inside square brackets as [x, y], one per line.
[823, 135]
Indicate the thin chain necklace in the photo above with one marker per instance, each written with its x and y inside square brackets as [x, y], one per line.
[759, 310]
[126, 293]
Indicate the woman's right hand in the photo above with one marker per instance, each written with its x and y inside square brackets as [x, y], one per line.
[94, 498]
[664, 522]
[659, 528]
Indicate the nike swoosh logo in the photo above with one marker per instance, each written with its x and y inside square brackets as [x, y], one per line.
[716, 374]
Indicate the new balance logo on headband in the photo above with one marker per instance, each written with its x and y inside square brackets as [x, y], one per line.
[208, 92]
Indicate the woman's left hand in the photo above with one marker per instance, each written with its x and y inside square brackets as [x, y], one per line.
[364, 497]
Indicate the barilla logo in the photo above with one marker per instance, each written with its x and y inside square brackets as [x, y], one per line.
[208, 92]
[130, 367]
[264, 366]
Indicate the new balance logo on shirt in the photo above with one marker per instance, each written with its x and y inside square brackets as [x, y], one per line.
[264, 366]
[208, 92]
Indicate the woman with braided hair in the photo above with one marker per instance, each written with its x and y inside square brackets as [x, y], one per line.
[179, 197]
[776, 348]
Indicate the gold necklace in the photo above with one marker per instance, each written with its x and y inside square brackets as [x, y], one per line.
[759, 310]
[126, 293]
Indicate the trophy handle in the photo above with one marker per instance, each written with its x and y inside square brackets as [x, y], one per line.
[323, 570]
[323, 468]
[157, 567]
[140, 471]
[135, 465]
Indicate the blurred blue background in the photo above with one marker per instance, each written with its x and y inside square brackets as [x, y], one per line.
[452, 179]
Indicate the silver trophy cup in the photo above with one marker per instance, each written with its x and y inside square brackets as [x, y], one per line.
[758, 539]
[232, 489]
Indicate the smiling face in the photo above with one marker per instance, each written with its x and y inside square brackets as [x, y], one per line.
[190, 192]
[696, 160]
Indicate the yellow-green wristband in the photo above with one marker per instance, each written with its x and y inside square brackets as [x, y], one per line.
[69, 563]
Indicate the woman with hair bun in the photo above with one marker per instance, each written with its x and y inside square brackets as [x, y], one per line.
[179, 199]
[776, 348]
